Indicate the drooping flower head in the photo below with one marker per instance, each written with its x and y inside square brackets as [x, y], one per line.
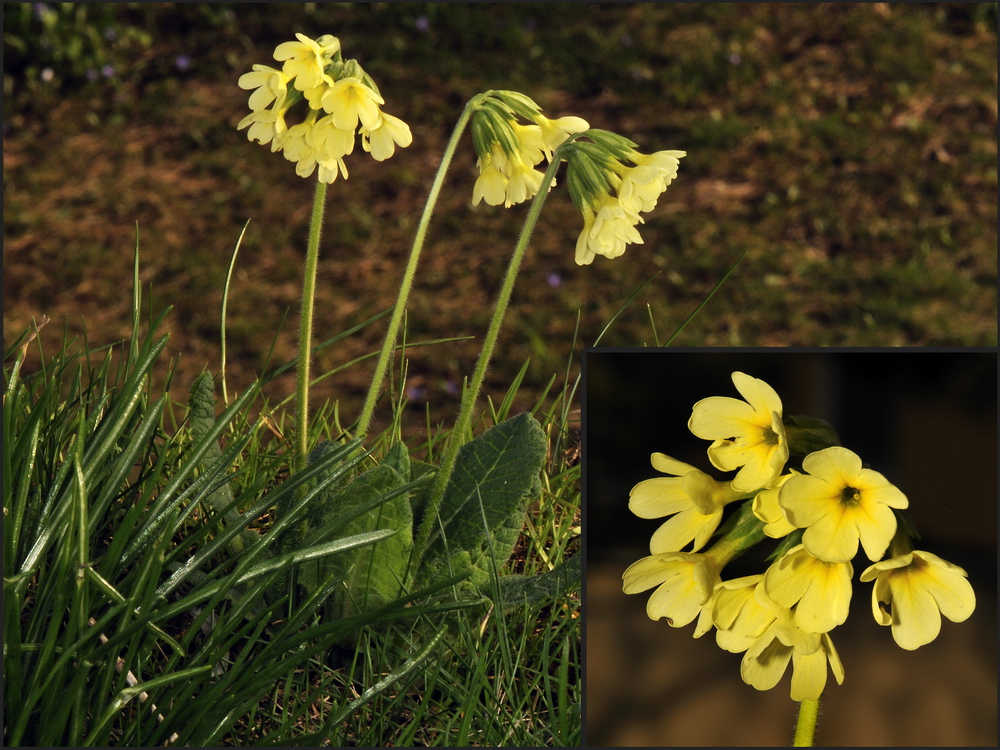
[314, 71]
[747, 435]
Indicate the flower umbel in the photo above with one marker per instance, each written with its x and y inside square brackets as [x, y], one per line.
[314, 72]
[819, 516]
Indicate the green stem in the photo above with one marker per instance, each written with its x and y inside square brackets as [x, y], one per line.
[305, 329]
[382, 365]
[471, 394]
[805, 725]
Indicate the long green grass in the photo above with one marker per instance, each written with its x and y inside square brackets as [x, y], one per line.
[152, 578]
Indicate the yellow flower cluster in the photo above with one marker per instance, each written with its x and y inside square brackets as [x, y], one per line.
[610, 221]
[509, 151]
[822, 515]
[342, 100]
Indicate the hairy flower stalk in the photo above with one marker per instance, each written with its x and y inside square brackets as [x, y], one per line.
[341, 102]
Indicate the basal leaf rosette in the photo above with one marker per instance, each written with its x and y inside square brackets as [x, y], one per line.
[839, 503]
[747, 435]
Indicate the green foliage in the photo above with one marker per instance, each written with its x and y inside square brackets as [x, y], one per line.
[119, 586]
[482, 513]
[379, 500]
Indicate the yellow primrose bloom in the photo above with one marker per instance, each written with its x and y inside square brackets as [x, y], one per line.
[642, 185]
[329, 140]
[271, 86]
[606, 231]
[305, 59]
[766, 508]
[819, 591]
[765, 661]
[531, 145]
[839, 503]
[389, 132]
[349, 100]
[554, 132]
[330, 168]
[918, 587]
[747, 434]
[523, 181]
[266, 126]
[692, 497]
[491, 185]
[684, 582]
[739, 614]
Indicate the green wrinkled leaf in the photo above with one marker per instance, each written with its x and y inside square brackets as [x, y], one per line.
[377, 573]
[482, 512]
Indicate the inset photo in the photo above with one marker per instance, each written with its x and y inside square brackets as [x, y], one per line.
[790, 545]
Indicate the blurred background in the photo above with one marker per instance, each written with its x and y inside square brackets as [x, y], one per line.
[926, 420]
[848, 151]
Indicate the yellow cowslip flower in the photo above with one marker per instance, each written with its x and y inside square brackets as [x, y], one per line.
[607, 230]
[684, 582]
[530, 143]
[350, 100]
[382, 139]
[918, 587]
[642, 185]
[305, 59]
[839, 503]
[820, 592]
[266, 126]
[329, 140]
[766, 508]
[747, 434]
[739, 614]
[692, 497]
[330, 168]
[765, 661]
[271, 86]
[491, 185]
[554, 132]
[523, 181]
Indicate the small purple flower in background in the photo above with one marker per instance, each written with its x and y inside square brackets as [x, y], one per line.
[183, 62]
[108, 71]
[422, 24]
[416, 393]
[450, 387]
[735, 59]
[554, 280]
[111, 33]
[40, 10]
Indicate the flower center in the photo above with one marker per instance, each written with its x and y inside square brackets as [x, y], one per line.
[770, 436]
[850, 496]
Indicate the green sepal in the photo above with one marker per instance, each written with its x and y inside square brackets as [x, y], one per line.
[792, 540]
[806, 435]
